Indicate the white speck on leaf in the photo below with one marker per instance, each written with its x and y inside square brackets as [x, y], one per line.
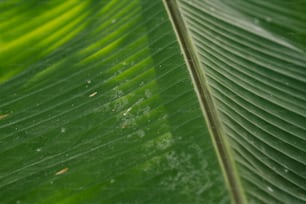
[127, 111]
[270, 189]
[61, 171]
[93, 94]
[63, 130]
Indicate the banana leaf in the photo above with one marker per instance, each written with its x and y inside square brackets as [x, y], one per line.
[97, 106]
[141, 101]
[250, 60]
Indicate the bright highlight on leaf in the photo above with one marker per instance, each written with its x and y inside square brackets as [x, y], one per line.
[102, 109]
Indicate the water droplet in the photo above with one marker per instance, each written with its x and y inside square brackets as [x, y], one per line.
[146, 110]
[286, 170]
[63, 130]
[18, 202]
[270, 189]
[268, 19]
[88, 81]
[38, 150]
[148, 93]
[114, 21]
[112, 181]
[141, 133]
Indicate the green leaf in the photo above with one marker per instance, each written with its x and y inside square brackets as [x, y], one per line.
[97, 106]
[250, 57]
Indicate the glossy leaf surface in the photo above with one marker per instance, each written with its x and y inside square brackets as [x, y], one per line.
[97, 106]
[253, 56]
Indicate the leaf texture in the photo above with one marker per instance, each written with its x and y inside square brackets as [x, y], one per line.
[97, 106]
[253, 56]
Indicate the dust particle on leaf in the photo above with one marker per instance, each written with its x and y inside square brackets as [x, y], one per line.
[61, 171]
[63, 130]
[3, 116]
[93, 94]
[270, 189]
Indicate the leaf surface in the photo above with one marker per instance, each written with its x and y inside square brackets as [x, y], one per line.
[97, 106]
[252, 56]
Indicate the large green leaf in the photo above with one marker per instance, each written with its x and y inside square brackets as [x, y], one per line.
[250, 57]
[97, 106]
